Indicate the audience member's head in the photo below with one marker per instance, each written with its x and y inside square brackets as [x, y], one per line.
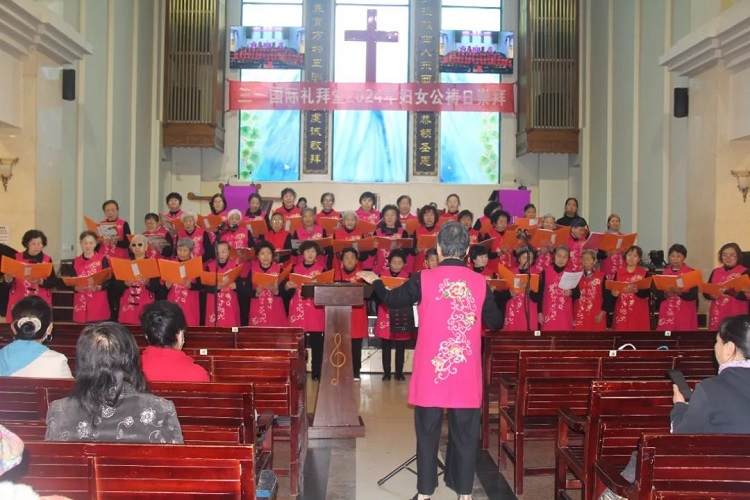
[163, 324]
[32, 319]
[733, 339]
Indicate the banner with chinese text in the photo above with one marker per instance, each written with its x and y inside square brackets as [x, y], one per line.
[425, 125]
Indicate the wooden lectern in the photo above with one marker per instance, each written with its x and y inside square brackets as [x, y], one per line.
[337, 405]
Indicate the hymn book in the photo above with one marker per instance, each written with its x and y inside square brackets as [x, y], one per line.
[390, 282]
[330, 224]
[131, 270]
[23, 271]
[178, 272]
[89, 281]
[545, 237]
[105, 230]
[257, 227]
[209, 278]
[518, 283]
[620, 286]
[684, 281]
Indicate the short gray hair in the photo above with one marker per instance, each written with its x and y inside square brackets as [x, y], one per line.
[186, 243]
[453, 240]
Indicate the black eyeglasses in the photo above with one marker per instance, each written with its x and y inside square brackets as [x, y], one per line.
[136, 244]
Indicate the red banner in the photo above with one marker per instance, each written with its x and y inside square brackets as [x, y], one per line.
[307, 96]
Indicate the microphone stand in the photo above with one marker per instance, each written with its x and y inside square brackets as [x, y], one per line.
[219, 231]
[527, 299]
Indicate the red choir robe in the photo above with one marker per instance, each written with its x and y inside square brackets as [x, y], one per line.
[188, 298]
[134, 299]
[576, 249]
[267, 308]
[448, 216]
[342, 234]
[165, 252]
[227, 307]
[515, 309]
[590, 303]
[420, 262]
[359, 313]
[610, 264]
[198, 236]
[238, 237]
[20, 289]
[383, 323]
[90, 306]
[303, 234]
[725, 305]
[542, 262]
[119, 248]
[507, 259]
[281, 240]
[474, 237]
[631, 311]
[295, 211]
[327, 215]
[679, 313]
[557, 308]
[303, 312]
[371, 216]
[381, 257]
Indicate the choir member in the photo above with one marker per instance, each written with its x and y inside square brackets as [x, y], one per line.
[202, 240]
[610, 262]
[326, 201]
[186, 294]
[303, 312]
[428, 217]
[254, 210]
[388, 227]
[544, 253]
[498, 254]
[728, 303]
[452, 208]
[174, 205]
[160, 242]
[576, 242]
[366, 210]
[529, 211]
[631, 310]
[394, 335]
[117, 244]
[137, 294]
[556, 302]
[347, 273]
[487, 212]
[431, 258]
[466, 219]
[90, 303]
[34, 242]
[222, 304]
[302, 203]
[218, 205]
[236, 233]
[571, 212]
[588, 310]
[478, 259]
[404, 208]
[278, 236]
[521, 309]
[266, 303]
[288, 206]
[311, 230]
[678, 308]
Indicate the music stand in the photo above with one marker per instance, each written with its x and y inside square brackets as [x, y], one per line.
[406, 465]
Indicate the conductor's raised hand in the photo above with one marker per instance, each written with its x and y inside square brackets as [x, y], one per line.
[368, 276]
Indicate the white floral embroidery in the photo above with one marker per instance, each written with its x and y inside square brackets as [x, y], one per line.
[84, 430]
[454, 350]
[147, 416]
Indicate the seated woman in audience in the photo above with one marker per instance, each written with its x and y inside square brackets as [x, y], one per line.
[631, 306]
[571, 212]
[466, 219]
[186, 295]
[34, 242]
[589, 313]
[452, 208]
[326, 201]
[404, 208]
[576, 242]
[224, 311]
[90, 302]
[160, 242]
[367, 211]
[303, 312]
[109, 402]
[138, 293]
[428, 217]
[218, 205]
[678, 308]
[611, 261]
[279, 237]
[728, 302]
[116, 244]
[288, 206]
[164, 326]
[174, 205]
[389, 227]
[394, 332]
[266, 302]
[521, 307]
[254, 210]
[203, 241]
[557, 303]
[26, 356]
[347, 273]
[483, 223]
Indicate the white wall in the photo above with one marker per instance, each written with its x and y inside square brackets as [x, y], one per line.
[10, 91]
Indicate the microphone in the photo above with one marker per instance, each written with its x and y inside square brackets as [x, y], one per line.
[230, 178]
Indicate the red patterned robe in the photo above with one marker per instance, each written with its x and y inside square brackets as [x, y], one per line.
[359, 313]
[576, 249]
[557, 308]
[267, 309]
[611, 264]
[303, 312]
[631, 311]
[227, 307]
[419, 260]
[90, 306]
[111, 249]
[676, 313]
[515, 310]
[133, 300]
[383, 323]
[152, 252]
[590, 303]
[20, 289]
[507, 259]
[188, 298]
[381, 257]
[371, 216]
[725, 305]
[197, 236]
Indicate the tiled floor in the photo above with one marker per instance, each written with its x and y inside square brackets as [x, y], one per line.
[350, 469]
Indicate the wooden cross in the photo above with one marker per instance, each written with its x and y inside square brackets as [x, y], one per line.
[371, 36]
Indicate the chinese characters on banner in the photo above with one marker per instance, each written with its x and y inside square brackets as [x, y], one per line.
[316, 121]
[415, 97]
[426, 15]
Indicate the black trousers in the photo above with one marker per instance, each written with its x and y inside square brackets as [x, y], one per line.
[385, 349]
[315, 343]
[461, 455]
[356, 356]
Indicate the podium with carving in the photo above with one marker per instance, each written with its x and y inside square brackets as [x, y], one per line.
[337, 405]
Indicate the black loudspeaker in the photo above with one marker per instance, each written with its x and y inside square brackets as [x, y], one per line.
[680, 102]
[69, 84]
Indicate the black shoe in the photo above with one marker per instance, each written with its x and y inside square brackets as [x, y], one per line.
[400, 376]
[386, 376]
[416, 497]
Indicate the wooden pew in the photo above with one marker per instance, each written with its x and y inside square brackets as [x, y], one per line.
[618, 412]
[126, 471]
[501, 351]
[550, 380]
[672, 466]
